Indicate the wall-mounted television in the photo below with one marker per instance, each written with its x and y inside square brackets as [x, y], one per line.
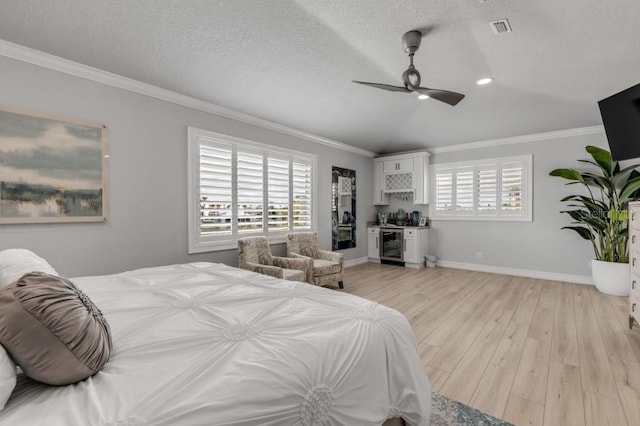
[621, 118]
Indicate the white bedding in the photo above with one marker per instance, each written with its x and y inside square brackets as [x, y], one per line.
[208, 344]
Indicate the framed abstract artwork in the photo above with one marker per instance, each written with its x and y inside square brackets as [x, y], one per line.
[51, 169]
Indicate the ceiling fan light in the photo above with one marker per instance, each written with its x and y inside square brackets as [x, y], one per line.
[423, 97]
[484, 81]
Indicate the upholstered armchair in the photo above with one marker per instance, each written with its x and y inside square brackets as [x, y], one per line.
[327, 265]
[255, 255]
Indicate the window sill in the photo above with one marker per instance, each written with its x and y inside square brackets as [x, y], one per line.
[483, 218]
[211, 246]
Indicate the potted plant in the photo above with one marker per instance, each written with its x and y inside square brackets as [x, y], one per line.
[600, 216]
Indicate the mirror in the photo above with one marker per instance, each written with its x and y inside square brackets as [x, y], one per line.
[343, 209]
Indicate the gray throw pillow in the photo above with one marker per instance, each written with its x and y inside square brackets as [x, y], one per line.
[52, 330]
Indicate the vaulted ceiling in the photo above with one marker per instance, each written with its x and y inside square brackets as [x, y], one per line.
[293, 61]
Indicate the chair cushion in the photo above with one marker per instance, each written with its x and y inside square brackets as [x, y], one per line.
[304, 243]
[293, 275]
[325, 267]
[254, 250]
[309, 251]
[264, 251]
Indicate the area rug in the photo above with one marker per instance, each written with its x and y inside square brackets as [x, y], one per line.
[447, 412]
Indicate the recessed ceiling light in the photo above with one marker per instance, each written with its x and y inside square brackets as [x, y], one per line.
[484, 81]
[423, 97]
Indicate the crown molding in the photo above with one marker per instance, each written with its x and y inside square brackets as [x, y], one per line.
[579, 131]
[46, 60]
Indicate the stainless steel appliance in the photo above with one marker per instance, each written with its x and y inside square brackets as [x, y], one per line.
[392, 244]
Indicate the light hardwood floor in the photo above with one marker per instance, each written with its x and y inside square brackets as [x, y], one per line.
[529, 351]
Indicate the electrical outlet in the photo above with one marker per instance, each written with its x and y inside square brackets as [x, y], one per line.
[479, 255]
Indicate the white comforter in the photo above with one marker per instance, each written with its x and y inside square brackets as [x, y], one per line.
[208, 344]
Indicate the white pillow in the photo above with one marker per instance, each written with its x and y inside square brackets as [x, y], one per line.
[14, 263]
[7, 377]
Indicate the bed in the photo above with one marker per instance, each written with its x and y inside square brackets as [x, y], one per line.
[209, 344]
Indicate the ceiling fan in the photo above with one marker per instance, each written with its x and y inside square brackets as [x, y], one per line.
[411, 77]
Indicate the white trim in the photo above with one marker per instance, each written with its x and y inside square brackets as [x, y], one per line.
[46, 60]
[579, 131]
[195, 136]
[479, 218]
[553, 276]
[354, 262]
[475, 166]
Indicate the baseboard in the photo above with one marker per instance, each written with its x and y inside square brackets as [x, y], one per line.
[353, 262]
[554, 276]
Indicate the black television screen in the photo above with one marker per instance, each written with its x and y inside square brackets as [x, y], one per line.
[621, 118]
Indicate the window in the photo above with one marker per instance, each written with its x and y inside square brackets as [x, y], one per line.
[240, 188]
[493, 189]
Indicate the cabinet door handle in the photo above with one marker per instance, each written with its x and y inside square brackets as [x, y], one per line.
[376, 243]
[633, 308]
[633, 285]
[381, 195]
[633, 216]
[633, 262]
[633, 239]
[405, 244]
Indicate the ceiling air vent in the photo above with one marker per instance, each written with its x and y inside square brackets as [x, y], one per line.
[500, 26]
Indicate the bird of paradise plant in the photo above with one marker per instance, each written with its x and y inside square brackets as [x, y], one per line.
[601, 217]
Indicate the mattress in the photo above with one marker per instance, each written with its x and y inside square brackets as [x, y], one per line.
[208, 344]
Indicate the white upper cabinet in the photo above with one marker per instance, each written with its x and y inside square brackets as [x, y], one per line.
[398, 166]
[404, 173]
[379, 196]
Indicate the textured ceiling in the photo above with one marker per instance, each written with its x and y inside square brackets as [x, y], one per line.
[292, 61]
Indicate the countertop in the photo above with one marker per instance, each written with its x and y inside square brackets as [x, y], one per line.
[397, 226]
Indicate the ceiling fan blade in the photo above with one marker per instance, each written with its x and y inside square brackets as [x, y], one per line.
[451, 98]
[384, 86]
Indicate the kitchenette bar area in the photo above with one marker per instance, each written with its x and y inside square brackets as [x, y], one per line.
[397, 236]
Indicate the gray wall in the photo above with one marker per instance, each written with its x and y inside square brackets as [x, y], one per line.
[539, 245]
[147, 224]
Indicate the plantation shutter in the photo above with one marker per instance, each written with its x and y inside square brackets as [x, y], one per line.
[249, 202]
[216, 190]
[512, 184]
[239, 188]
[278, 194]
[444, 191]
[487, 190]
[301, 194]
[464, 191]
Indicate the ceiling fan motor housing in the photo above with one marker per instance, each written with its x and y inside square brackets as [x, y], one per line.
[411, 41]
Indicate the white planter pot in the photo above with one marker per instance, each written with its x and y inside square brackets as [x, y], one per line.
[611, 277]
